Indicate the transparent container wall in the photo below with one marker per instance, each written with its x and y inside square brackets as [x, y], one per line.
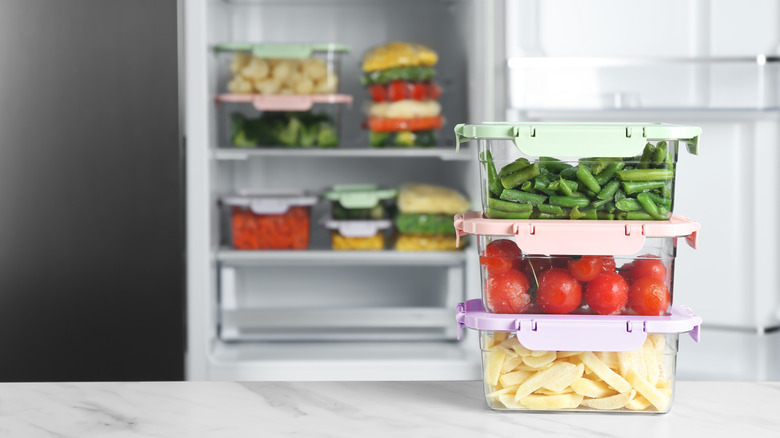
[370, 243]
[515, 282]
[242, 73]
[642, 188]
[248, 230]
[608, 84]
[519, 379]
[381, 210]
[241, 125]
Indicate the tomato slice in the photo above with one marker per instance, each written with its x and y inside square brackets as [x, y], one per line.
[381, 124]
[419, 91]
[398, 90]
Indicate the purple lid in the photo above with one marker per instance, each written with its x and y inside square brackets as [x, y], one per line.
[578, 332]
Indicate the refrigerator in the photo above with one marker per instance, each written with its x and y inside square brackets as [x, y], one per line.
[384, 316]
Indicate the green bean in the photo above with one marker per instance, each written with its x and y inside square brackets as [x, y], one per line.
[498, 204]
[659, 156]
[669, 161]
[498, 214]
[589, 214]
[646, 175]
[515, 166]
[666, 191]
[493, 184]
[584, 175]
[649, 206]
[611, 207]
[638, 216]
[622, 216]
[628, 204]
[605, 216]
[541, 182]
[647, 155]
[588, 193]
[609, 190]
[569, 201]
[660, 200]
[527, 186]
[600, 203]
[522, 197]
[541, 215]
[519, 177]
[568, 187]
[609, 172]
[570, 173]
[553, 165]
[576, 213]
[620, 194]
[640, 186]
[552, 209]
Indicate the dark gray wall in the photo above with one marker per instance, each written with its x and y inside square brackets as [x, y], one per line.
[91, 225]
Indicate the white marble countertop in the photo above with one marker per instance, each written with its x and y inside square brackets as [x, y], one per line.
[359, 409]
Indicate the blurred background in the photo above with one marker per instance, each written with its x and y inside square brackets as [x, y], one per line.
[130, 138]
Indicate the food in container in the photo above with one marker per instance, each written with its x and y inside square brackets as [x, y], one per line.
[623, 171]
[273, 128]
[605, 267]
[404, 110]
[360, 201]
[351, 234]
[424, 217]
[576, 363]
[270, 220]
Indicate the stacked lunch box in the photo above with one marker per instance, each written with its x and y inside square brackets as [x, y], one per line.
[577, 240]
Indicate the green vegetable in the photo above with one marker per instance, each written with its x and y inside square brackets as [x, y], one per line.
[638, 216]
[608, 173]
[514, 166]
[378, 139]
[609, 190]
[497, 214]
[552, 209]
[375, 212]
[640, 186]
[649, 206]
[493, 184]
[291, 134]
[327, 136]
[660, 200]
[522, 197]
[502, 205]
[628, 204]
[309, 135]
[647, 155]
[570, 173]
[645, 175]
[425, 138]
[605, 216]
[426, 224]
[584, 175]
[405, 138]
[413, 74]
[519, 177]
[553, 165]
[569, 201]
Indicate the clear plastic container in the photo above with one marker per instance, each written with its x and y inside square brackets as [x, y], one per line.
[280, 69]
[364, 235]
[569, 363]
[270, 220]
[562, 267]
[360, 201]
[606, 171]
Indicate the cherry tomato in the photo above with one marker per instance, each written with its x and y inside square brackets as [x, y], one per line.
[649, 296]
[507, 293]
[378, 93]
[558, 291]
[648, 266]
[419, 91]
[397, 90]
[434, 91]
[607, 294]
[586, 268]
[538, 264]
[500, 256]
[608, 264]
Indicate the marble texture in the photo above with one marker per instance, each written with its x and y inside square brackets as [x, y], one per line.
[358, 409]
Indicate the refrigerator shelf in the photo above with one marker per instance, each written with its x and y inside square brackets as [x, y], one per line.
[445, 153]
[340, 258]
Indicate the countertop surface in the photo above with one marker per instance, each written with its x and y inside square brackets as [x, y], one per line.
[359, 409]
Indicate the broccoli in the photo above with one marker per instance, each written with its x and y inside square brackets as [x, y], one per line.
[240, 135]
[309, 135]
[378, 139]
[290, 135]
[327, 136]
[426, 138]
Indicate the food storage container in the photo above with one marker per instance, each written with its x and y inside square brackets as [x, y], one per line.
[351, 234]
[403, 110]
[244, 127]
[424, 218]
[578, 170]
[558, 267]
[270, 220]
[360, 201]
[576, 363]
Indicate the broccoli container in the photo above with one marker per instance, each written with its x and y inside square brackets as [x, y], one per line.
[360, 201]
[623, 171]
[564, 267]
[572, 363]
[351, 234]
[295, 88]
[270, 220]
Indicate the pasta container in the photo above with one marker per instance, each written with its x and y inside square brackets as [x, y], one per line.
[573, 363]
[536, 170]
[270, 220]
[559, 267]
[358, 234]
[360, 201]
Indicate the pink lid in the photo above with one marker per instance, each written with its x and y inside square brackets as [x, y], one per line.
[578, 332]
[284, 102]
[568, 237]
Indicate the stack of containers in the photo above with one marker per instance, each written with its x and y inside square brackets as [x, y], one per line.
[404, 110]
[294, 85]
[577, 241]
[359, 216]
[424, 219]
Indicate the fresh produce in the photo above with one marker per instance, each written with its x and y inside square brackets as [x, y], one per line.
[431, 199]
[404, 111]
[280, 76]
[424, 217]
[636, 188]
[507, 292]
[289, 230]
[518, 378]
[576, 284]
[341, 242]
[291, 129]
[418, 242]
[376, 212]
[421, 223]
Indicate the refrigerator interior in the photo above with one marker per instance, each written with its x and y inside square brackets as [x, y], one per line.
[320, 314]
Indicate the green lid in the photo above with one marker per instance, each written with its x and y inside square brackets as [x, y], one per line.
[538, 139]
[290, 51]
[359, 195]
